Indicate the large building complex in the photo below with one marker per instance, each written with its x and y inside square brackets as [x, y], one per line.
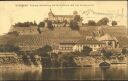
[63, 20]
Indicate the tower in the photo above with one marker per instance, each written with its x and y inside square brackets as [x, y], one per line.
[75, 13]
[50, 14]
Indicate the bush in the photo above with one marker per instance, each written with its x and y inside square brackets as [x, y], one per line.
[106, 54]
[41, 24]
[124, 51]
[9, 48]
[86, 50]
[77, 18]
[74, 25]
[114, 23]
[103, 21]
[91, 23]
[13, 33]
[45, 53]
[67, 60]
[49, 25]
[25, 24]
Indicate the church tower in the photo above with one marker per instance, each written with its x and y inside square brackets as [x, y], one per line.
[50, 15]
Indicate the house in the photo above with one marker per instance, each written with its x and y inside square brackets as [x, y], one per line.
[92, 43]
[8, 54]
[8, 57]
[77, 45]
[67, 46]
[110, 41]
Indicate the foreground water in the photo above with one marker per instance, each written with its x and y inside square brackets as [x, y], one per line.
[86, 73]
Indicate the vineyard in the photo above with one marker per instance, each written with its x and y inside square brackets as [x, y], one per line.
[53, 37]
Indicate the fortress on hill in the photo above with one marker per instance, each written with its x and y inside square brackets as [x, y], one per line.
[63, 20]
[62, 38]
[57, 21]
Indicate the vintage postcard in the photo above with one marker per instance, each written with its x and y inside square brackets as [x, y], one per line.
[63, 40]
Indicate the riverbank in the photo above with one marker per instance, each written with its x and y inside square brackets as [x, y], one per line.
[20, 67]
[34, 68]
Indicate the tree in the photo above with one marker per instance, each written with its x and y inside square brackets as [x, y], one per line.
[106, 54]
[26, 58]
[41, 24]
[77, 18]
[49, 25]
[34, 24]
[45, 53]
[74, 25]
[47, 48]
[124, 51]
[25, 24]
[91, 23]
[86, 50]
[114, 23]
[67, 60]
[103, 21]
[65, 22]
[38, 29]
[13, 33]
[9, 48]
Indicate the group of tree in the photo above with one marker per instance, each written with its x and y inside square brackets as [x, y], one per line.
[25, 24]
[74, 23]
[42, 24]
[103, 21]
[13, 33]
[45, 54]
[86, 50]
[29, 58]
[124, 51]
[49, 59]
[114, 23]
[106, 54]
[9, 48]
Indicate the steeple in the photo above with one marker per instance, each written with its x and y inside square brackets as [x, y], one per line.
[75, 13]
[50, 13]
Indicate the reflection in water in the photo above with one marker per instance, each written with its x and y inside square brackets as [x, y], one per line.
[87, 73]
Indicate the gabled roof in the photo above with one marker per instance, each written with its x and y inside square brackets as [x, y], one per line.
[70, 16]
[89, 41]
[68, 42]
[106, 37]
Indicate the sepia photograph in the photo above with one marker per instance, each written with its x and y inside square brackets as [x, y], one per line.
[63, 40]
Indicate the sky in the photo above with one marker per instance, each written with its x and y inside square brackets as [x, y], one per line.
[20, 11]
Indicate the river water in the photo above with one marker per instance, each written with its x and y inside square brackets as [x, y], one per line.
[86, 73]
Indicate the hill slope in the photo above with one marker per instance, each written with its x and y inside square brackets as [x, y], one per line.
[31, 42]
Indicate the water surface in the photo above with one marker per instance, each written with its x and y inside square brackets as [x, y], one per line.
[86, 73]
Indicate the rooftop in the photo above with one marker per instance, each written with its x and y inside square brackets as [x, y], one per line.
[70, 16]
[106, 37]
[89, 41]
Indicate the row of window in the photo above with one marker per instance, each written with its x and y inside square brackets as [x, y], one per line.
[95, 45]
[61, 18]
[66, 48]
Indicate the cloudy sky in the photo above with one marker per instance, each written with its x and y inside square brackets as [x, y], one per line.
[19, 11]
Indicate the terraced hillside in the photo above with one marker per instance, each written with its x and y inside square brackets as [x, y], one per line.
[114, 31]
[34, 41]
